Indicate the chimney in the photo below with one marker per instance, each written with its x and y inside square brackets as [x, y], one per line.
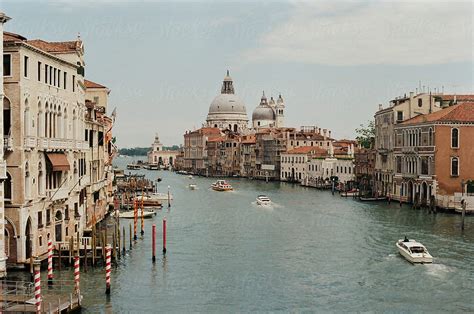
[324, 133]
[380, 106]
[329, 134]
[319, 131]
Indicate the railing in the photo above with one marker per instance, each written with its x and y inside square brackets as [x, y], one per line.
[15, 293]
[7, 142]
[29, 142]
[58, 194]
[64, 246]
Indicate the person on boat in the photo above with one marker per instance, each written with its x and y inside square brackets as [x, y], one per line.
[406, 239]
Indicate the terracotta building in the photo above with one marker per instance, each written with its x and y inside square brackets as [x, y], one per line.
[434, 157]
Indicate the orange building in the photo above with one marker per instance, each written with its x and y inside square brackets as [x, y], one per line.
[434, 158]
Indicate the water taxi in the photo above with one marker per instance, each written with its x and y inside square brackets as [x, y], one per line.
[192, 186]
[221, 185]
[133, 167]
[263, 200]
[413, 251]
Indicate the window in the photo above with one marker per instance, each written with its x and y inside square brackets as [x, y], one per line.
[420, 102]
[59, 78]
[96, 100]
[73, 83]
[399, 164]
[399, 116]
[54, 77]
[7, 65]
[454, 138]
[454, 166]
[25, 66]
[40, 219]
[40, 239]
[424, 165]
[46, 73]
[100, 138]
[39, 71]
[50, 81]
[65, 80]
[48, 216]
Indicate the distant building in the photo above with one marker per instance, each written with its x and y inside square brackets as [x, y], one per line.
[227, 111]
[195, 149]
[293, 167]
[269, 114]
[158, 156]
[364, 168]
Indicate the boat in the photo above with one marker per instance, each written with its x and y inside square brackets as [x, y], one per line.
[133, 167]
[129, 214]
[350, 193]
[192, 186]
[413, 251]
[151, 167]
[372, 199]
[181, 172]
[158, 179]
[190, 176]
[263, 200]
[221, 186]
[154, 196]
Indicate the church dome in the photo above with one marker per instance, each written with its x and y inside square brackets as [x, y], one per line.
[227, 103]
[263, 112]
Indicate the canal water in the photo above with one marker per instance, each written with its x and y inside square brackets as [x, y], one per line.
[311, 251]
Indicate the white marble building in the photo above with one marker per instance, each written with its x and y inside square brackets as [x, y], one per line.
[269, 113]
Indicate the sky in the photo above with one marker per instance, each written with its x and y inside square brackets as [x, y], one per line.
[333, 62]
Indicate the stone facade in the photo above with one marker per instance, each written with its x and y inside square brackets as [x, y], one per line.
[158, 156]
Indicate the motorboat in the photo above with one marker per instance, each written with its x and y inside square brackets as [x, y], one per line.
[152, 167]
[350, 193]
[372, 199]
[263, 200]
[221, 186]
[190, 176]
[192, 186]
[413, 251]
[130, 214]
[133, 167]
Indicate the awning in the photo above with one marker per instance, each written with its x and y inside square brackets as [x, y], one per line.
[58, 161]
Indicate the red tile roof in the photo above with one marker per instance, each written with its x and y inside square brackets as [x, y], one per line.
[458, 97]
[56, 47]
[90, 84]
[463, 112]
[7, 36]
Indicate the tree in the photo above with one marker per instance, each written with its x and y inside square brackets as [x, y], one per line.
[366, 134]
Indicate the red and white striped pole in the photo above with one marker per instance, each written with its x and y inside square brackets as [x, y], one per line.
[107, 269]
[50, 262]
[164, 235]
[37, 278]
[153, 243]
[77, 276]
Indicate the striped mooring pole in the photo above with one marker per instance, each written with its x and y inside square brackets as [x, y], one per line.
[77, 275]
[107, 269]
[37, 278]
[50, 262]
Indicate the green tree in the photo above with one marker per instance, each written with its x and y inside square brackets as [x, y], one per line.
[366, 134]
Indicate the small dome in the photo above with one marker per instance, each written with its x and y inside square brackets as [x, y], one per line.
[263, 112]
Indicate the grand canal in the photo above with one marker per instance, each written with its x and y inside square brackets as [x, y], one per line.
[312, 251]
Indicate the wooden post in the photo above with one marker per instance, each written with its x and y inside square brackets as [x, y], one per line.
[130, 236]
[94, 249]
[123, 242]
[114, 243]
[119, 240]
[85, 256]
[59, 257]
[463, 205]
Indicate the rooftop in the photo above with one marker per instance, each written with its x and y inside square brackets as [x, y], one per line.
[90, 84]
[463, 112]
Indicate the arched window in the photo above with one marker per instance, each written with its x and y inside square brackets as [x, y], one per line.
[39, 117]
[454, 138]
[6, 117]
[65, 135]
[420, 102]
[430, 137]
[235, 127]
[26, 119]
[46, 120]
[8, 188]
[454, 166]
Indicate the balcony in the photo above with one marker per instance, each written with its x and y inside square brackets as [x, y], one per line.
[382, 151]
[58, 194]
[8, 143]
[29, 142]
[409, 150]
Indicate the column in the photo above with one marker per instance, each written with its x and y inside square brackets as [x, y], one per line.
[3, 165]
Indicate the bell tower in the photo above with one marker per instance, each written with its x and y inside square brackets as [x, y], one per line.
[280, 112]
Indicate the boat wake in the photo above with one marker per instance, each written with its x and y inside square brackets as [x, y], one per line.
[263, 207]
[438, 270]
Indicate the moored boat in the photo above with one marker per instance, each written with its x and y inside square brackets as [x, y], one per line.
[192, 186]
[133, 167]
[221, 186]
[130, 214]
[372, 199]
[413, 251]
[350, 193]
[263, 200]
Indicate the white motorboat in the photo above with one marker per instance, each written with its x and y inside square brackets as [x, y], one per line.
[192, 186]
[221, 185]
[350, 193]
[413, 251]
[129, 214]
[263, 200]
[190, 176]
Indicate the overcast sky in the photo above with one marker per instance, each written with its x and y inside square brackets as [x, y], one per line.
[332, 61]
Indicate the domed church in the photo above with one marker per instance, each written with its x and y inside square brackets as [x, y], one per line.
[268, 114]
[227, 110]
